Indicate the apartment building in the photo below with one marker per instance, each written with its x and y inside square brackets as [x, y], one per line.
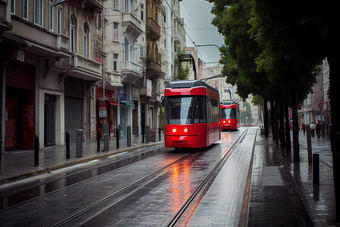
[48, 83]
[317, 104]
[174, 37]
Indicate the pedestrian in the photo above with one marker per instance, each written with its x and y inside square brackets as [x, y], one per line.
[303, 128]
[312, 129]
[318, 129]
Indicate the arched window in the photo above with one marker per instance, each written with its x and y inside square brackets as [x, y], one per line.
[72, 36]
[85, 41]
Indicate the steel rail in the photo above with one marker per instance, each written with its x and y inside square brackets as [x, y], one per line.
[205, 183]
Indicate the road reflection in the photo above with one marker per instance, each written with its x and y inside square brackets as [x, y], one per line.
[181, 186]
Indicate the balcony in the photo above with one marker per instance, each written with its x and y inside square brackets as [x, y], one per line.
[131, 25]
[80, 67]
[153, 30]
[63, 42]
[113, 79]
[154, 71]
[131, 72]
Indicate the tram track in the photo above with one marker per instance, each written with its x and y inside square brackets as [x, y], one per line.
[28, 189]
[93, 208]
[198, 194]
[85, 214]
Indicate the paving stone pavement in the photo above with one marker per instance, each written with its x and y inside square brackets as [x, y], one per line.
[282, 191]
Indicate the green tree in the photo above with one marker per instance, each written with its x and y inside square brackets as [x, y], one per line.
[301, 40]
[182, 73]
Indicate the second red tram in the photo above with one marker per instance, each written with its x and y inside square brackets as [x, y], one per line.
[230, 115]
[192, 114]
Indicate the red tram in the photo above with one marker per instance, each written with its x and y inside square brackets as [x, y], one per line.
[230, 115]
[192, 114]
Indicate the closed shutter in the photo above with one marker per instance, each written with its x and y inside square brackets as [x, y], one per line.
[73, 122]
[20, 75]
[74, 93]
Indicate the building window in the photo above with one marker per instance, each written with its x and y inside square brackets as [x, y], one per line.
[72, 37]
[25, 9]
[115, 31]
[38, 12]
[99, 21]
[164, 43]
[127, 6]
[59, 21]
[85, 40]
[115, 4]
[115, 62]
[142, 51]
[12, 6]
[142, 12]
[51, 16]
[126, 50]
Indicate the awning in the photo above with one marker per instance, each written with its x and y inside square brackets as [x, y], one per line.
[126, 102]
[113, 103]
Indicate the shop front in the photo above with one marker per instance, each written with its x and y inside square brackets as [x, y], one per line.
[125, 109]
[107, 101]
[19, 113]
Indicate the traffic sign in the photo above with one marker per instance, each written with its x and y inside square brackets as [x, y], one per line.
[320, 105]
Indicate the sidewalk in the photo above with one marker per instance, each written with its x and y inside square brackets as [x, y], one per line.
[282, 191]
[17, 165]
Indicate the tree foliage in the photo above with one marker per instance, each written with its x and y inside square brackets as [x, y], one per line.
[182, 73]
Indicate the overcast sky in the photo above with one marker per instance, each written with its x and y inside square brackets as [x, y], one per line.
[197, 20]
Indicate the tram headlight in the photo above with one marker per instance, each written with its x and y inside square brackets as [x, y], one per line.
[229, 122]
[223, 122]
[174, 130]
[186, 130]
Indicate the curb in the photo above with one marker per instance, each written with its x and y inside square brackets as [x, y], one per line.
[72, 163]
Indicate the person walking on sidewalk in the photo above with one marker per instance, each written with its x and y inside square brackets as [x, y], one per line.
[312, 129]
[318, 129]
[303, 128]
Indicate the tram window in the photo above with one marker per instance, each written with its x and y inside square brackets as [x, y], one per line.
[180, 110]
[199, 111]
[228, 113]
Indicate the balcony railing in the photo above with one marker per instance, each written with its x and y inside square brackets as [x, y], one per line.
[132, 25]
[154, 70]
[131, 71]
[153, 30]
[80, 67]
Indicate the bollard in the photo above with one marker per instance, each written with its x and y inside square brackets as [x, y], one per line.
[309, 144]
[106, 136]
[67, 145]
[316, 171]
[143, 135]
[79, 143]
[36, 150]
[159, 132]
[117, 137]
[147, 134]
[98, 141]
[128, 131]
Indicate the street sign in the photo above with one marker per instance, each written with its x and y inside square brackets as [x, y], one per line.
[320, 105]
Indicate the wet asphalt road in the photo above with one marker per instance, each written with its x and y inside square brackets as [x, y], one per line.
[145, 189]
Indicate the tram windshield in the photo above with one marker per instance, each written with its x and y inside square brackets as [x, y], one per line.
[185, 110]
[228, 113]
